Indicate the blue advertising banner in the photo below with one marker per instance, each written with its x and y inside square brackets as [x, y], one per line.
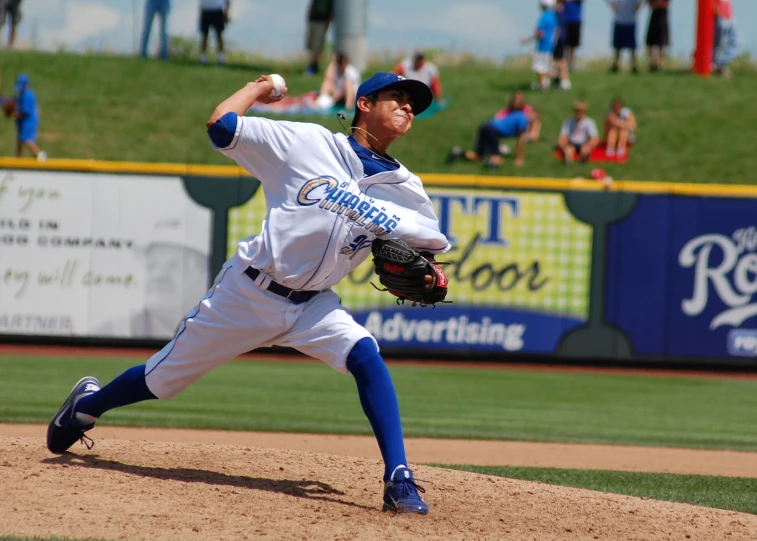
[682, 277]
[488, 329]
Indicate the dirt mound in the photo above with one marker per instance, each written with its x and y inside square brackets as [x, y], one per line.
[529, 454]
[141, 490]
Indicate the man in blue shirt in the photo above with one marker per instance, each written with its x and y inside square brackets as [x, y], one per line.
[573, 20]
[545, 37]
[511, 122]
[27, 118]
[562, 76]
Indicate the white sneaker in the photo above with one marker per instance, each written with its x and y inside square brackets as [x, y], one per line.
[203, 58]
[42, 156]
[565, 84]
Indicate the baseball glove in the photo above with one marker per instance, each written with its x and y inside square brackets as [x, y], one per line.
[9, 105]
[406, 274]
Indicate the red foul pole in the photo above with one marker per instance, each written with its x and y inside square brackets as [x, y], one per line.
[705, 37]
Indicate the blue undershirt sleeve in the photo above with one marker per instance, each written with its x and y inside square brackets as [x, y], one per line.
[221, 133]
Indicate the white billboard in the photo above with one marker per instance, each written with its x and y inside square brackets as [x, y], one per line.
[89, 254]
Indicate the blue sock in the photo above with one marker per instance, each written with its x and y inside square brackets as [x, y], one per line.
[379, 401]
[128, 388]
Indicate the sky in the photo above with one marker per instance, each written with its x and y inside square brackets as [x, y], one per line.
[488, 28]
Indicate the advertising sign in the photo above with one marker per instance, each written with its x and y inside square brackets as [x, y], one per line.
[683, 277]
[519, 275]
[84, 254]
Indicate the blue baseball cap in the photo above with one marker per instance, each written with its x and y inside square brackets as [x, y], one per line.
[21, 81]
[418, 91]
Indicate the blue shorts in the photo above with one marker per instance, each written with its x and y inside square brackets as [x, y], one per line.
[27, 132]
[624, 37]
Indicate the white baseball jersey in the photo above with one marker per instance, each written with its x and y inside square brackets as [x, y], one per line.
[322, 214]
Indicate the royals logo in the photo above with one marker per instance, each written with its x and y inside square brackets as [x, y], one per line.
[729, 265]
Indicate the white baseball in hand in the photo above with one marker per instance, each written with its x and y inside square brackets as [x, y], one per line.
[279, 84]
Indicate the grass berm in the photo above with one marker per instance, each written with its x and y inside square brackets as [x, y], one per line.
[691, 129]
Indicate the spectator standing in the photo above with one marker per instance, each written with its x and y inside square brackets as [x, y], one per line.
[320, 14]
[624, 31]
[658, 33]
[578, 135]
[726, 43]
[418, 67]
[161, 9]
[562, 79]
[544, 36]
[10, 13]
[27, 118]
[620, 124]
[213, 14]
[573, 19]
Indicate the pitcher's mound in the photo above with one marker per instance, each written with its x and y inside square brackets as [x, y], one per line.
[137, 490]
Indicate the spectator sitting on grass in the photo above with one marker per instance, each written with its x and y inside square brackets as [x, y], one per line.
[578, 135]
[515, 123]
[620, 124]
[420, 68]
[340, 83]
[518, 103]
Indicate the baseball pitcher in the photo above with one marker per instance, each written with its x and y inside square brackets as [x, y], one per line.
[332, 200]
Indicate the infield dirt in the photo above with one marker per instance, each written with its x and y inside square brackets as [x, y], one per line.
[125, 489]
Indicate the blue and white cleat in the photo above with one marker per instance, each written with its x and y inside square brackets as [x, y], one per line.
[66, 428]
[401, 493]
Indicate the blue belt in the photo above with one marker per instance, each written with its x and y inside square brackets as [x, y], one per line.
[294, 296]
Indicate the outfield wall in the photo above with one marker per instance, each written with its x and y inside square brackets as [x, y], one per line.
[565, 269]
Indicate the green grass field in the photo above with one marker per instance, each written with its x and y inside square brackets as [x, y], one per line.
[732, 493]
[443, 402]
[435, 401]
[123, 108]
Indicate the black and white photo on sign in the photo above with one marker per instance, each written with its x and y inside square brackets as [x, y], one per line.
[87, 254]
